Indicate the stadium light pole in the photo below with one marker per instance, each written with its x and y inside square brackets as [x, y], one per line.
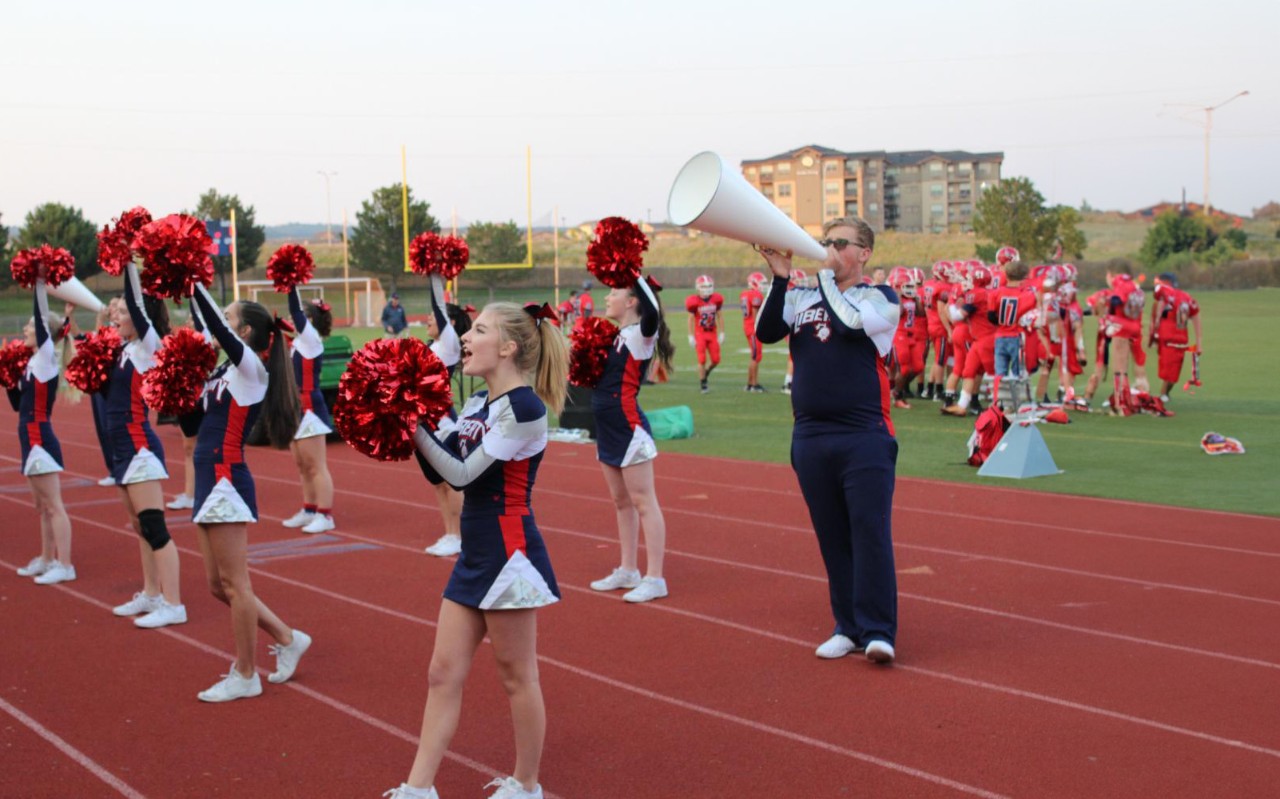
[328, 203]
[1208, 126]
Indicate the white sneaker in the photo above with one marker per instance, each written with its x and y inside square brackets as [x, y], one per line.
[287, 657]
[448, 546]
[320, 523]
[163, 616]
[299, 519]
[233, 686]
[36, 567]
[407, 791]
[650, 588]
[620, 578]
[107, 482]
[837, 646]
[181, 502]
[141, 603]
[57, 573]
[880, 652]
[510, 788]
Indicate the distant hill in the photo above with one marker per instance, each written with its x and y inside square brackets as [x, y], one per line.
[301, 231]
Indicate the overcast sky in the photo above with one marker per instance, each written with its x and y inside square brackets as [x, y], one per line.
[109, 105]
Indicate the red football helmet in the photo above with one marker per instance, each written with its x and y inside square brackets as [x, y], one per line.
[1067, 292]
[799, 279]
[942, 270]
[898, 277]
[1006, 254]
[980, 277]
[704, 285]
[1069, 272]
[917, 275]
[755, 280]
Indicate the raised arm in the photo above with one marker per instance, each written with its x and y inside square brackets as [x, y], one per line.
[296, 312]
[447, 346]
[771, 326]
[133, 301]
[650, 317]
[217, 324]
[44, 363]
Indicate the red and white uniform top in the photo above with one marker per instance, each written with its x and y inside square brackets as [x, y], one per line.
[704, 310]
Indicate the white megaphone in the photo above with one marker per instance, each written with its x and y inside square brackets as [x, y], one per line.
[73, 291]
[711, 195]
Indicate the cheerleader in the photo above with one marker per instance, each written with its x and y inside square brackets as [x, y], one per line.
[446, 323]
[255, 379]
[313, 323]
[41, 453]
[98, 399]
[492, 452]
[624, 445]
[190, 426]
[137, 458]
[842, 446]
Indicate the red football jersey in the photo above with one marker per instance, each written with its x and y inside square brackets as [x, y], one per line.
[1009, 304]
[980, 326]
[751, 300]
[705, 310]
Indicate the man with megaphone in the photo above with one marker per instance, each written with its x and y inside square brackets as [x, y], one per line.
[843, 448]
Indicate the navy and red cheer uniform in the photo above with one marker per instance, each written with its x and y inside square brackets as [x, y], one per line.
[843, 448]
[136, 453]
[307, 354]
[623, 437]
[34, 395]
[491, 453]
[230, 404]
[447, 347]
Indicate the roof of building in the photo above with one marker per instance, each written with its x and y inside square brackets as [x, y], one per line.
[902, 158]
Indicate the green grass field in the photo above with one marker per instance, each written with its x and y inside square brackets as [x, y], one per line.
[1140, 458]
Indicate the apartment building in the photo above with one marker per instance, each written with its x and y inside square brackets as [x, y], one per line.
[915, 191]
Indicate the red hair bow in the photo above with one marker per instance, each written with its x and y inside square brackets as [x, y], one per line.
[653, 283]
[543, 311]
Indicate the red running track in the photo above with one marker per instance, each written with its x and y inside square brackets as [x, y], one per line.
[1049, 646]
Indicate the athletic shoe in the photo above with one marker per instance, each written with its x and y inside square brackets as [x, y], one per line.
[902, 404]
[619, 578]
[57, 573]
[181, 502]
[163, 616]
[36, 567]
[758, 389]
[880, 652]
[954, 410]
[299, 519]
[320, 523]
[141, 603]
[650, 588]
[448, 546]
[704, 387]
[287, 657]
[233, 686]
[510, 788]
[837, 646]
[107, 481]
[407, 791]
[786, 388]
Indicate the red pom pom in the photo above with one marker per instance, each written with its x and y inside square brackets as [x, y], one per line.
[14, 356]
[431, 253]
[54, 264]
[95, 357]
[183, 363]
[616, 254]
[115, 247]
[591, 340]
[290, 266]
[175, 251]
[389, 386]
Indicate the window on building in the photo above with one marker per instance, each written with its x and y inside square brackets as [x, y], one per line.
[851, 166]
[751, 172]
[784, 168]
[935, 189]
[767, 191]
[831, 167]
[964, 169]
[890, 171]
[833, 210]
[872, 168]
[851, 208]
[767, 169]
[984, 169]
[831, 187]
[873, 208]
[935, 166]
[851, 187]
[936, 209]
[871, 185]
[784, 189]
[911, 170]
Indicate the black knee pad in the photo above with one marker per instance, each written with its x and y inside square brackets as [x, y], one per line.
[154, 531]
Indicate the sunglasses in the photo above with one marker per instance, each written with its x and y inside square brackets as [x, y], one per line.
[840, 244]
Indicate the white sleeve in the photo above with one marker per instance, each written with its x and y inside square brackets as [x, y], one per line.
[457, 472]
[511, 440]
